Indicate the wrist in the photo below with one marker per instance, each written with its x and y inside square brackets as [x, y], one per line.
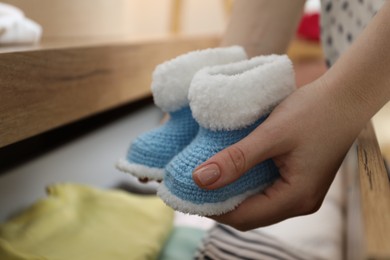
[358, 97]
[350, 107]
[360, 76]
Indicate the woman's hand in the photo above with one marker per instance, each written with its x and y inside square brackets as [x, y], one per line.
[309, 133]
[307, 136]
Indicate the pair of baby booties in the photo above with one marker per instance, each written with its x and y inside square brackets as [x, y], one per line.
[215, 97]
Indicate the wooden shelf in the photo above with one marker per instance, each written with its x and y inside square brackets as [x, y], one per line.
[55, 83]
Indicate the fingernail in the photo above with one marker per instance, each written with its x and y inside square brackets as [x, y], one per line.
[207, 175]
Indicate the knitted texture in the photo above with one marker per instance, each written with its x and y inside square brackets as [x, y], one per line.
[157, 147]
[180, 192]
[228, 101]
[150, 152]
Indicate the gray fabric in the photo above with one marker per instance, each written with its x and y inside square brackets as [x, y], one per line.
[223, 242]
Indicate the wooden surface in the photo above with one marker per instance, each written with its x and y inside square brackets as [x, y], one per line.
[374, 198]
[353, 219]
[47, 86]
[303, 50]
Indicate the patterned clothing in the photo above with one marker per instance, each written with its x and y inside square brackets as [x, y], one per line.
[341, 23]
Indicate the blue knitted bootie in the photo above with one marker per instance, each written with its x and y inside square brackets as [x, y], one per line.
[229, 102]
[150, 152]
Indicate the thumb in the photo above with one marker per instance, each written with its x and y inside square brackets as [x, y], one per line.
[231, 163]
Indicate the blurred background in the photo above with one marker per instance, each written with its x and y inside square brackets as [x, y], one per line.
[130, 18]
[125, 18]
[83, 148]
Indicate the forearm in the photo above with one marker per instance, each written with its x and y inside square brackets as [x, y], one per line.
[263, 26]
[361, 77]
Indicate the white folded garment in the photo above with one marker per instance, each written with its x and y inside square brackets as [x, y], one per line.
[320, 233]
[316, 236]
[15, 28]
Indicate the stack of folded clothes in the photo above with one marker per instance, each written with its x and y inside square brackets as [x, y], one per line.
[81, 222]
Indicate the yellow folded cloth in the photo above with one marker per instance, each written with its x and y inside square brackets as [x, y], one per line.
[79, 222]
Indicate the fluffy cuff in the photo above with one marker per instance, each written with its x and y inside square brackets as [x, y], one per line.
[171, 79]
[140, 171]
[233, 96]
[205, 209]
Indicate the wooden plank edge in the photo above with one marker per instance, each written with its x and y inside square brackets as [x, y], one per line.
[375, 196]
[47, 88]
[354, 239]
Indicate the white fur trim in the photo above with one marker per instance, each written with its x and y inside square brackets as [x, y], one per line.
[232, 96]
[172, 78]
[206, 209]
[139, 170]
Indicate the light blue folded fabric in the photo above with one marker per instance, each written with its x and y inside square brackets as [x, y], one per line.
[182, 243]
